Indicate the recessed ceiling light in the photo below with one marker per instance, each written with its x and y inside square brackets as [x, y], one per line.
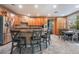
[20, 6]
[28, 14]
[36, 6]
[49, 14]
[12, 15]
[77, 6]
[54, 6]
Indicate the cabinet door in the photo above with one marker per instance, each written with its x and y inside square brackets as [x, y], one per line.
[1, 29]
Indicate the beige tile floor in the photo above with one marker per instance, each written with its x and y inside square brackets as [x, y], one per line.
[57, 46]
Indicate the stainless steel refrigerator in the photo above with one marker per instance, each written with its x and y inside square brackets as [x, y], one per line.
[4, 31]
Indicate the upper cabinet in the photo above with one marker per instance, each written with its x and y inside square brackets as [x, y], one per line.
[17, 21]
[11, 17]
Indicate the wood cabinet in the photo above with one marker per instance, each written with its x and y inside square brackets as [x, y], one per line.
[17, 21]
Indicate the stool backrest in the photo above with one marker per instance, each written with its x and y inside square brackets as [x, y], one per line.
[36, 35]
[14, 34]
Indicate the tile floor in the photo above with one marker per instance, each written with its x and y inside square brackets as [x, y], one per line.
[57, 46]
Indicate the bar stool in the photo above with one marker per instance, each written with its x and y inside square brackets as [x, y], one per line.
[36, 40]
[44, 37]
[22, 37]
[16, 39]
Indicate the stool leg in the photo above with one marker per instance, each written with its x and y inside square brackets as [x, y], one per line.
[11, 49]
[49, 39]
[32, 49]
[20, 50]
[19, 46]
[46, 43]
[40, 45]
[25, 43]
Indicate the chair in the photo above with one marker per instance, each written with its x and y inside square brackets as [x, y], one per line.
[36, 40]
[61, 34]
[16, 39]
[78, 36]
[75, 37]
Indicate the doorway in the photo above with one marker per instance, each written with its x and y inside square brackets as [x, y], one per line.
[50, 25]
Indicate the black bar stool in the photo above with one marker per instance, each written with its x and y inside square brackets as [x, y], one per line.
[36, 40]
[44, 37]
[16, 38]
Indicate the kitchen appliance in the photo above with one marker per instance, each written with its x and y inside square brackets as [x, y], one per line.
[4, 31]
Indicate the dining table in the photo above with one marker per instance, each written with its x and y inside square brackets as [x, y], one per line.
[69, 34]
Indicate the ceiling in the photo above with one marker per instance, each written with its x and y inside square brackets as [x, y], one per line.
[43, 9]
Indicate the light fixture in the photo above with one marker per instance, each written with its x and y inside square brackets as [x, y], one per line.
[49, 14]
[28, 14]
[77, 6]
[36, 6]
[20, 6]
[54, 6]
[12, 15]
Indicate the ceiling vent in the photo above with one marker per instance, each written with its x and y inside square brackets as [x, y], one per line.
[13, 4]
[55, 11]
